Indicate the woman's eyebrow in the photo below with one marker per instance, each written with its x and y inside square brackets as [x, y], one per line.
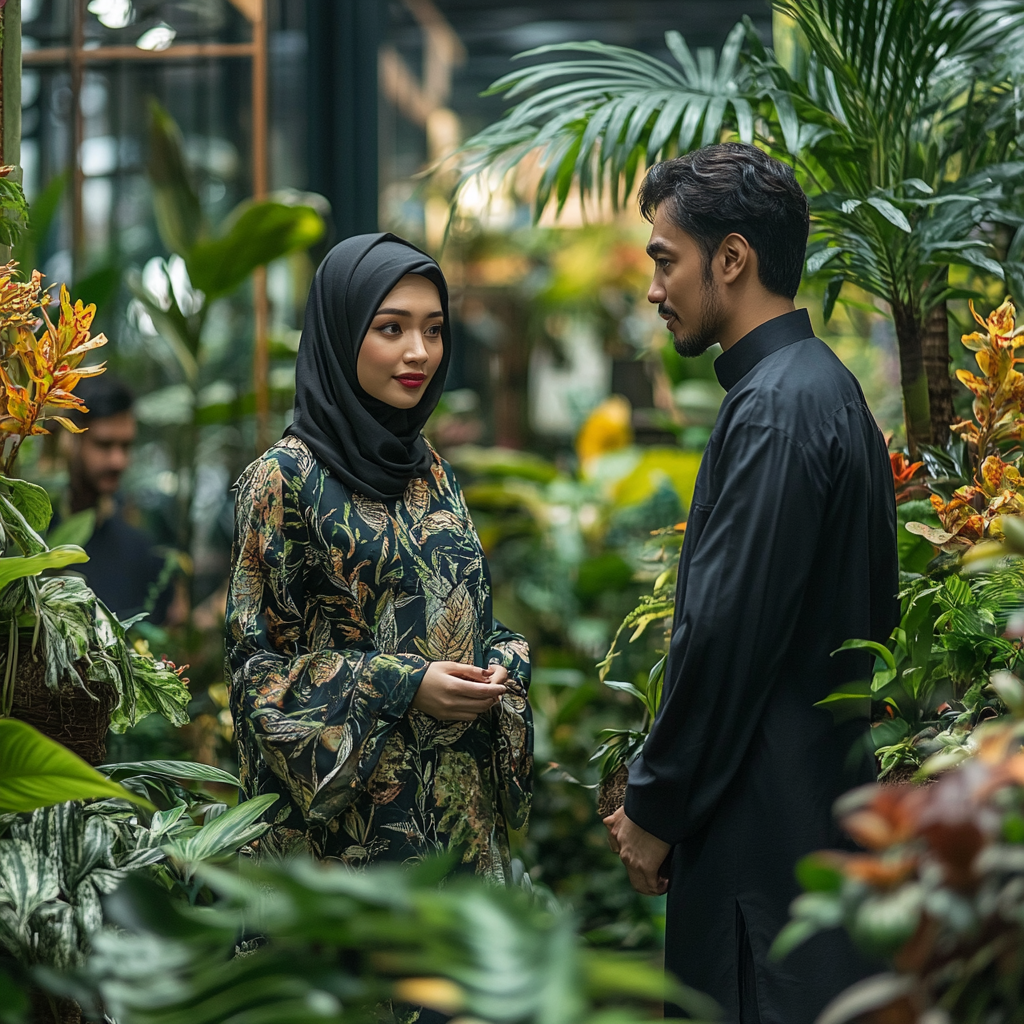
[391, 311]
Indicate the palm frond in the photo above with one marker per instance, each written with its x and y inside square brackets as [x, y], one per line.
[598, 120]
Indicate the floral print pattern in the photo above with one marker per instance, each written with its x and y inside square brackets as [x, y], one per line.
[336, 605]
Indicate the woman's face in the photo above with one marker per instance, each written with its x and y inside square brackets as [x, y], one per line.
[403, 348]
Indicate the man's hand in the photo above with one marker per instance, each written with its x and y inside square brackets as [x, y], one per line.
[642, 853]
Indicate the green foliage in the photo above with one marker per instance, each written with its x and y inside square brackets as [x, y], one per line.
[41, 214]
[13, 209]
[342, 945]
[16, 567]
[938, 894]
[942, 654]
[179, 216]
[541, 528]
[899, 116]
[36, 771]
[258, 233]
[79, 640]
[598, 119]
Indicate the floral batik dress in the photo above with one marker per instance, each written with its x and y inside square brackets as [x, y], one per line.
[337, 604]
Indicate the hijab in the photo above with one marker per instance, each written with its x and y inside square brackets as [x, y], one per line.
[369, 445]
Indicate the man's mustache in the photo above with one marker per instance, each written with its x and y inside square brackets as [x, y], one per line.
[665, 310]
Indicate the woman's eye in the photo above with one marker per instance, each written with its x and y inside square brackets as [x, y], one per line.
[434, 331]
[390, 329]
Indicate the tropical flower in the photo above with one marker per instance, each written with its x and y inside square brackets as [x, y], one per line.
[607, 429]
[40, 364]
[999, 392]
[903, 473]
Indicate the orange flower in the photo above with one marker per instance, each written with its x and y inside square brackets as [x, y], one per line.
[878, 872]
[41, 364]
[999, 323]
[902, 468]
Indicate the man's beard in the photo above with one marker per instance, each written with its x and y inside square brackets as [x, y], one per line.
[709, 327]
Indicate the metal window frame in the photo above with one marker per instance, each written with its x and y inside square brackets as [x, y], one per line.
[76, 57]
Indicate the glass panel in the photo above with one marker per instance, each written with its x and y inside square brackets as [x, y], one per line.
[45, 23]
[157, 25]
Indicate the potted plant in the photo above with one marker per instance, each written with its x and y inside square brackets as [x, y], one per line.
[67, 667]
[620, 747]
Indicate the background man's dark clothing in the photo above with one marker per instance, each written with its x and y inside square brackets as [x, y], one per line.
[790, 550]
[125, 569]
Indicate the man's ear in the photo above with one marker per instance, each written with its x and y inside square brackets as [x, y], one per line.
[735, 257]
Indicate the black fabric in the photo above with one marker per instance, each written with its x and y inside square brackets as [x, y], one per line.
[123, 569]
[790, 550]
[372, 447]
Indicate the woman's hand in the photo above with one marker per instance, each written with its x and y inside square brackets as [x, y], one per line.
[452, 692]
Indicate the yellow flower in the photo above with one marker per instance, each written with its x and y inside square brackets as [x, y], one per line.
[607, 429]
[434, 993]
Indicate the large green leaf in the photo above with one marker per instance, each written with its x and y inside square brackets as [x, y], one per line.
[259, 233]
[36, 771]
[13, 567]
[31, 501]
[597, 120]
[191, 770]
[76, 529]
[225, 834]
[179, 217]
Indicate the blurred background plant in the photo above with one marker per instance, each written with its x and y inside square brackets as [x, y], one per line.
[936, 891]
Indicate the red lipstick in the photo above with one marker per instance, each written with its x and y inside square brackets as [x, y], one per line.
[411, 380]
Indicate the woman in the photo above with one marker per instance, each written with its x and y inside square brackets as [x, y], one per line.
[370, 685]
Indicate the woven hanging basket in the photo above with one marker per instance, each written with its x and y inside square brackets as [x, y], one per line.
[68, 715]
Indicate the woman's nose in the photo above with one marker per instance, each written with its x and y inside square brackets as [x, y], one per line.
[417, 350]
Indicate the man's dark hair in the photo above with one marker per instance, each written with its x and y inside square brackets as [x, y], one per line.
[732, 187]
[104, 396]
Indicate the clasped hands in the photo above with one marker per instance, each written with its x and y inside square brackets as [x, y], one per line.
[452, 692]
[643, 855]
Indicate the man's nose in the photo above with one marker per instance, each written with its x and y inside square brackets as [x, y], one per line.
[119, 458]
[656, 293]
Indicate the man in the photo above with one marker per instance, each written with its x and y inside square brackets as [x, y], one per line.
[126, 572]
[790, 550]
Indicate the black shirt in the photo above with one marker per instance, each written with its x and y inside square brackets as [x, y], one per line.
[790, 550]
[126, 571]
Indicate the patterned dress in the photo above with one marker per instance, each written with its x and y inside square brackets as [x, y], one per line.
[336, 605]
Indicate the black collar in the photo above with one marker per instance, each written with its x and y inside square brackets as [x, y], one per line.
[732, 366]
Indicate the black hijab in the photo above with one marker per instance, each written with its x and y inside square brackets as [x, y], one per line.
[371, 446]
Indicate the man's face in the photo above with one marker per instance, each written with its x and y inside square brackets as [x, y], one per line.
[683, 287]
[103, 452]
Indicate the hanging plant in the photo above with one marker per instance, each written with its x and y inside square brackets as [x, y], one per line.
[67, 666]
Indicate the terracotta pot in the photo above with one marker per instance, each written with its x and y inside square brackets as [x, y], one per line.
[611, 793]
[68, 715]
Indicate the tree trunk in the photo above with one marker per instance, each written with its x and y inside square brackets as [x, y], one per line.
[935, 355]
[913, 378]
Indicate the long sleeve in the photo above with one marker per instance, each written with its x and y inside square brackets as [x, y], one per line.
[513, 727]
[319, 717]
[740, 600]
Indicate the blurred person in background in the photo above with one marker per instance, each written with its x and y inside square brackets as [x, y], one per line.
[790, 551]
[126, 570]
[371, 687]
